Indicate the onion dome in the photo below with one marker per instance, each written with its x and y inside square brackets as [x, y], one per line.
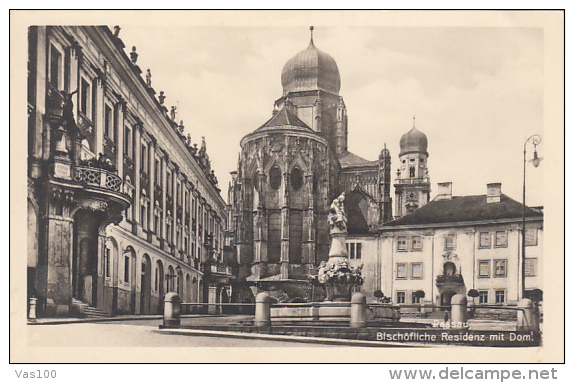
[311, 69]
[413, 142]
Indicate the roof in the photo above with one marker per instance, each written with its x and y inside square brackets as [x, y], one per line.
[465, 209]
[284, 118]
[348, 159]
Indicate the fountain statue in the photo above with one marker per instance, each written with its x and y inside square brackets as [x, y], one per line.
[336, 275]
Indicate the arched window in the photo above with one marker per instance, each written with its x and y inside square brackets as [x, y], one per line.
[274, 238]
[275, 178]
[295, 237]
[296, 178]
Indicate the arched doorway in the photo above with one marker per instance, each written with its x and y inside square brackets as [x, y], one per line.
[159, 285]
[145, 294]
[129, 277]
[85, 259]
[222, 297]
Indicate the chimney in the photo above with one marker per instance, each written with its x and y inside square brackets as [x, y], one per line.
[493, 192]
[444, 191]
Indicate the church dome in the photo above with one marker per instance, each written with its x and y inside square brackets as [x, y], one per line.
[414, 141]
[311, 69]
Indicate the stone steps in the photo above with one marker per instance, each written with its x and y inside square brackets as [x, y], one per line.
[88, 311]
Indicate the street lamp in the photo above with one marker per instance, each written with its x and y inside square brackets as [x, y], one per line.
[535, 139]
[170, 276]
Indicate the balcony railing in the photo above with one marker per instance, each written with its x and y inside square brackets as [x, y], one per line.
[410, 181]
[221, 269]
[98, 177]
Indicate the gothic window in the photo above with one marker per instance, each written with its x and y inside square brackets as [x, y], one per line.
[295, 237]
[274, 238]
[275, 178]
[296, 178]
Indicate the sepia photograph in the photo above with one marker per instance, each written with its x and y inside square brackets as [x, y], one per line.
[381, 182]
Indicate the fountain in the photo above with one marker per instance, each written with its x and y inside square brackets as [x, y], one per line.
[336, 275]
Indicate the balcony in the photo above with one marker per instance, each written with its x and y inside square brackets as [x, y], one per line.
[412, 181]
[221, 269]
[99, 178]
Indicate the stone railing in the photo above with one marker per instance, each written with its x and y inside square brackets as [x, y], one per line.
[98, 177]
[221, 269]
[410, 181]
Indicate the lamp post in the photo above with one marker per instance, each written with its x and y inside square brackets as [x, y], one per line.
[170, 276]
[535, 139]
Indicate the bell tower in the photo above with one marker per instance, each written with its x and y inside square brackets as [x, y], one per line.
[412, 185]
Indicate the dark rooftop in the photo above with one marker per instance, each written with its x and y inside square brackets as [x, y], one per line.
[465, 209]
[284, 118]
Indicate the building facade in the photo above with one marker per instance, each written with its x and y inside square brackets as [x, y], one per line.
[121, 207]
[455, 244]
[289, 171]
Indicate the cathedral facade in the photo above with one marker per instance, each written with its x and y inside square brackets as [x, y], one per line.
[289, 170]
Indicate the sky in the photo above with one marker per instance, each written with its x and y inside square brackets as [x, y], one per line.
[476, 92]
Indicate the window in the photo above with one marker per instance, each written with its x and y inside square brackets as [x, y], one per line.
[415, 299]
[401, 271]
[354, 250]
[412, 171]
[401, 243]
[531, 237]
[417, 243]
[500, 268]
[157, 172]
[484, 269]
[500, 296]
[274, 238]
[483, 296]
[107, 263]
[531, 267]
[168, 183]
[127, 269]
[128, 142]
[416, 270]
[108, 122]
[275, 178]
[501, 239]
[85, 97]
[55, 67]
[401, 297]
[484, 242]
[450, 242]
[296, 178]
[144, 158]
